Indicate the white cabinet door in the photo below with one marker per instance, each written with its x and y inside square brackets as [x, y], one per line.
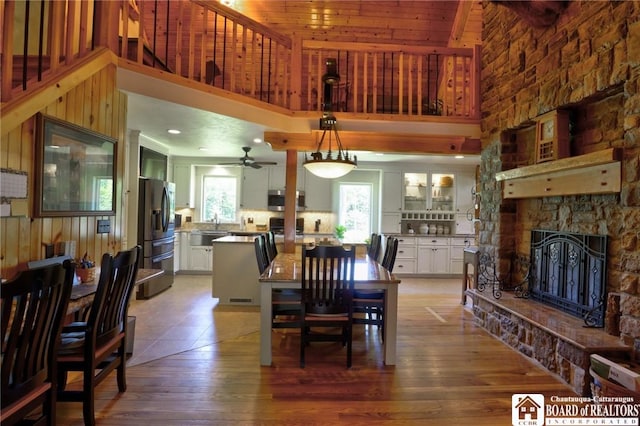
[177, 242]
[464, 226]
[182, 177]
[390, 223]
[391, 192]
[406, 256]
[433, 255]
[458, 245]
[317, 193]
[465, 182]
[200, 259]
[433, 260]
[185, 251]
[278, 178]
[255, 183]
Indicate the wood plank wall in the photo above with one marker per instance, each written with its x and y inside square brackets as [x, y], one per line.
[95, 104]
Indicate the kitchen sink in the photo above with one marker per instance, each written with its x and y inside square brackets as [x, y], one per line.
[205, 238]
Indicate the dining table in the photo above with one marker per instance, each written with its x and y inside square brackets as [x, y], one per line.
[284, 272]
[82, 294]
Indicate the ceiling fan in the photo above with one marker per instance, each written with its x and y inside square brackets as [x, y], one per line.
[248, 161]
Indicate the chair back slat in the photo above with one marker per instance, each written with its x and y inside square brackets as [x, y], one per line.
[327, 279]
[33, 306]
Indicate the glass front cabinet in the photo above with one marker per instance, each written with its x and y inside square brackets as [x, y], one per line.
[429, 192]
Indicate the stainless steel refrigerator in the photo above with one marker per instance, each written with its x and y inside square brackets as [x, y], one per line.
[156, 209]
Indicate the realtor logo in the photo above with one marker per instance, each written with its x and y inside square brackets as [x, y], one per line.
[527, 409]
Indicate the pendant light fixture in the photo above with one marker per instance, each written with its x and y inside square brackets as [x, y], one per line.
[327, 166]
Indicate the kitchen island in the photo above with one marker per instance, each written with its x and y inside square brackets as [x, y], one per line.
[235, 270]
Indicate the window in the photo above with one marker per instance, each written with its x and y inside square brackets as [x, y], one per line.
[219, 198]
[355, 210]
[103, 191]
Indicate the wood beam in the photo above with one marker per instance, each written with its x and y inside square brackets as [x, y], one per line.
[290, 202]
[378, 142]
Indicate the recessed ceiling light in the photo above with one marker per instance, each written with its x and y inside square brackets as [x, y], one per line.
[379, 153]
[203, 148]
[257, 140]
[459, 156]
[174, 131]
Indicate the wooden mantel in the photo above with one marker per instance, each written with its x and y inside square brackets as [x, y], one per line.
[593, 173]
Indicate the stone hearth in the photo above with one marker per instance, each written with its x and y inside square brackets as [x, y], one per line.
[558, 341]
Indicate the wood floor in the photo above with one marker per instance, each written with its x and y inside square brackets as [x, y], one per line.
[448, 372]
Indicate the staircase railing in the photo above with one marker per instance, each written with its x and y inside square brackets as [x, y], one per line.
[215, 45]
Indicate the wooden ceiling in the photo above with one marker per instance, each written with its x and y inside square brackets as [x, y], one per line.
[426, 23]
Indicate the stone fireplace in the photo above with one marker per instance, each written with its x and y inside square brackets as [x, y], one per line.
[587, 64]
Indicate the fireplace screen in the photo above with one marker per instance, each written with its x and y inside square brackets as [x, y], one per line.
[568, 272]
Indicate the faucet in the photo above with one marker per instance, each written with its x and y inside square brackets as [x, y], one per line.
[216, 221]
[317, 227]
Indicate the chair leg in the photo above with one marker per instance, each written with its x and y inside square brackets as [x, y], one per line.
[349, 344]
[88, 396]
[121, 375]
[303, 343]
[49, 408]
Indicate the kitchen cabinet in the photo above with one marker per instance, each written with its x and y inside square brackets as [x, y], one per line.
[391, 192]
[177, 242]
[390, 222]
[390, 218]
[185, 249]
[255, 184]
[465, 183]
[318, 193]
[433, 255]
[464, 226]
[428, 191]
[183, 176]
[278, 178]
[200, 258]
[406, 256]
[458, 245]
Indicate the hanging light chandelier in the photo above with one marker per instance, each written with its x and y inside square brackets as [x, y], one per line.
[328, 166]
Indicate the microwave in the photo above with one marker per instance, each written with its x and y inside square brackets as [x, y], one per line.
[275, 200]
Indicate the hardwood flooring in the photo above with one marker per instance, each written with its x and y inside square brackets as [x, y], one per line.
[448, 372]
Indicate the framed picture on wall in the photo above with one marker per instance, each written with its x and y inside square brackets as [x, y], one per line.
[74, 170]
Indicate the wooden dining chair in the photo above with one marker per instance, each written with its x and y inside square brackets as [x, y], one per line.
[373, 248]
[97, 347]
[285, 302]
[262, 259]
[272, 250]
[327, 277]
[34, 305]
[370, 303]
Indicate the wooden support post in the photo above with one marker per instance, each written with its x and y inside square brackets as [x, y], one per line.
[290, 202]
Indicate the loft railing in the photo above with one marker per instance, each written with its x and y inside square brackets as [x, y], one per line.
[215, 45]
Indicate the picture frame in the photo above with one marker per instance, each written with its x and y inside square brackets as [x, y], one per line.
[75, 170]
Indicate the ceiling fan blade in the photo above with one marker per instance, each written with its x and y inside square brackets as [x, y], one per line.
[266, 163]
[255, 165]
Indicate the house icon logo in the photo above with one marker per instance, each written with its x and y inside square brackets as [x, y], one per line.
[527, 409]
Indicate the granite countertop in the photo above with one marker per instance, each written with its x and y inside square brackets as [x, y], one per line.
[243, 239]
[431, 235]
